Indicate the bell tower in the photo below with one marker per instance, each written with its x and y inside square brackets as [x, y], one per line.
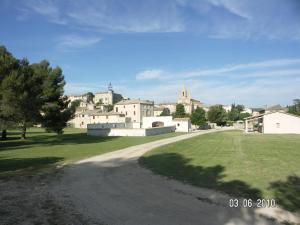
[110, 87]
[184, 96]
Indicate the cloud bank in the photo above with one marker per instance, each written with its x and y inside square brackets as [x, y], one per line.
[271, 19]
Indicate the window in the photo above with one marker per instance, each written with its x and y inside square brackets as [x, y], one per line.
[126, 113]
[93, 117]
[278, 125]
[116, 109]
[178, 124]
[133, 112]
[133, 106]
[124, 106]
[106, 117]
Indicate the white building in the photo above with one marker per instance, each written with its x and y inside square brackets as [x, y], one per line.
[184, 98]
[135, 109]
[107, 98]
[73, 98]
[227, 107]
[157, 110]
[181, 124]
[85, 117]
[169, 105]
[273, 123]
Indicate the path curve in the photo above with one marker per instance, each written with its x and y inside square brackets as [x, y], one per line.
[113, 189]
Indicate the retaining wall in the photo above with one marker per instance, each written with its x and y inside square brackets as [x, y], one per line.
[104, 132]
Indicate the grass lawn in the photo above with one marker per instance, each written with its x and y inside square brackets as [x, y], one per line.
[251, 166]
[42, 149]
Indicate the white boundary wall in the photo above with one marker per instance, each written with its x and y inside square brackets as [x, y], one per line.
[104, 132]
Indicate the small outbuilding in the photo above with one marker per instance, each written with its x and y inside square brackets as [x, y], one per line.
[273, 123]
[181, 124]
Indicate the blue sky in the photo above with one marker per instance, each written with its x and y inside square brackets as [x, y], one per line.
[224, 51]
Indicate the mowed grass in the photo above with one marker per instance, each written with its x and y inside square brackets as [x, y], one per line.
[42, 149]
[251, 166]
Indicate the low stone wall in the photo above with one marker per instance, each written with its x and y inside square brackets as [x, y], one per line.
[159, 130]
[104, 132]
[105, 125]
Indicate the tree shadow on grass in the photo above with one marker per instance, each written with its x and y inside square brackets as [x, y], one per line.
[176, 166]
[49, 140]
[11, 165]
[287, 193]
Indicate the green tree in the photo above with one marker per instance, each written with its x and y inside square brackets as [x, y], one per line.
[7, 64]
[89, 97]
[109, 108]
[55, 112]
[180, 111]
[6, 124]
[32, 94]
[22, 96]
[165, 112]
[100, 102]
[198, 117]
[240, 108]
[217, 114]
[295, 108]
[244, 115]
[235, 113]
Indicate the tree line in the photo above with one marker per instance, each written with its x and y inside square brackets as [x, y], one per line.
[32, 94]
[216, 114]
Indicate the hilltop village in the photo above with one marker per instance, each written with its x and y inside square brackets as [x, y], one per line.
[108, 111]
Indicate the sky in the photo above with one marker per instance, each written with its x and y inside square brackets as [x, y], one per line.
[224, 51]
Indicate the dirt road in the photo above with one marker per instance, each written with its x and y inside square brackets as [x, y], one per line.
[113, 189]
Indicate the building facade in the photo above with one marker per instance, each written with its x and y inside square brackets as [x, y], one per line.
[135, 109]
[107, 98]
[184, 98]
[84, 117]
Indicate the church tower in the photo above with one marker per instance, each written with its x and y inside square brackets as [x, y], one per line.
[110, 87]
[184, 96]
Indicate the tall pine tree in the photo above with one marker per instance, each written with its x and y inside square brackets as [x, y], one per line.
[55, 110]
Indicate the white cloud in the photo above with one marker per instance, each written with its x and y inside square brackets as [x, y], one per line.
[49, 9]
[252, 93]
[253, 66]
[254, 84]
[111, 16]
[235, 7]
[271, 19]
[151, 74]
[74, 41]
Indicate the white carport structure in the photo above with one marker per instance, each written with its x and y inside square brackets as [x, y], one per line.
[273, 123]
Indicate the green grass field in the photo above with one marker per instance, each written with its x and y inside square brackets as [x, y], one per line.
[251, 166]
[44, 150]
